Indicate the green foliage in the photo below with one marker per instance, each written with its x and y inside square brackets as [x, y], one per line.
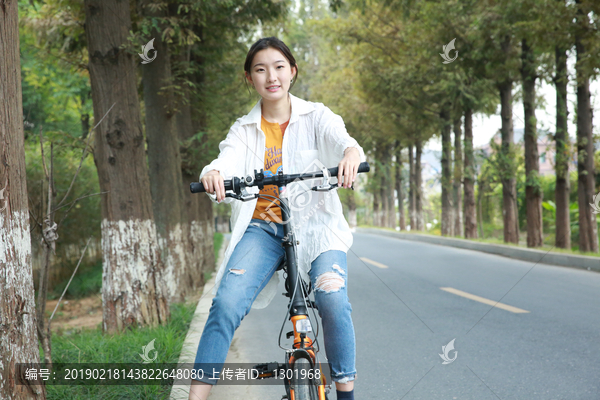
[92, 346]
[86, 282]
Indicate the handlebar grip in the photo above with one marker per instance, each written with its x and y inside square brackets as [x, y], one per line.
[362, 167]
[198, 187]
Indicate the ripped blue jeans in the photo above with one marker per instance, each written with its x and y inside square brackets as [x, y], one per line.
[251, 266]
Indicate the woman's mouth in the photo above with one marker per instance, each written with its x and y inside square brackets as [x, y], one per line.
[273, 88]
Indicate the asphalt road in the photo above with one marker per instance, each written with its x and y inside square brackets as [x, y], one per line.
[543, 343]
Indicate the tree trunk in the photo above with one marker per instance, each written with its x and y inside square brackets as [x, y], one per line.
[588, 228]
[351, 210]
[563, 184]
[447, 218]
[389, 190]
[18, 341]
[469, 179]
[507, 167]
[419, 187]
[384, 203]
[533, 189]
[164, 163]
[375, 208]
[198, 221]
[133, 289]
[456, 184]
[411, 189]
[401, 219]
[202, 204]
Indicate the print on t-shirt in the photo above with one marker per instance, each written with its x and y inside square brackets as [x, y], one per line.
[268, 209]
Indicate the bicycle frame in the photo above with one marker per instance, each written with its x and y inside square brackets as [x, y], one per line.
[298, 310]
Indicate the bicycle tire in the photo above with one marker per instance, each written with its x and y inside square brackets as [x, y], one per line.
[304, 388]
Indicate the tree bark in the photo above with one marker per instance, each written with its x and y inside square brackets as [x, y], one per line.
[456, 184]
[447, 218]
[164, 163]
[375, 208]
[196, 210]
[401, 218]
[533, 189]
[507, 167]
[205, 225]
[469, 179]
[351, 210]
[411, 189]
[133, 289]
[563, 184]
[588, 228]
[18, 341]
[389, 190]
[419, 187]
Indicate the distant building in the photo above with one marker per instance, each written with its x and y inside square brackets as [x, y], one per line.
[546, 149]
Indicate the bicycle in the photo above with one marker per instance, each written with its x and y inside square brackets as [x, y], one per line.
[302, 380]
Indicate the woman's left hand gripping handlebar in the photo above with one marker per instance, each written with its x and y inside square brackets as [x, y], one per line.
[348, 167]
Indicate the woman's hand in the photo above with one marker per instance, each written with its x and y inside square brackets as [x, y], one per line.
[214, 183]
[348, 167]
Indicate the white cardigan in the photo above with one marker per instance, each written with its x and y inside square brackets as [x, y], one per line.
[313, 136]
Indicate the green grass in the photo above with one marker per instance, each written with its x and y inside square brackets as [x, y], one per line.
[496, 241]
[92, 346]
[86, 282]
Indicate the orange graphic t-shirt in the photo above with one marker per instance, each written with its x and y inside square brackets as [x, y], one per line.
[273, 149]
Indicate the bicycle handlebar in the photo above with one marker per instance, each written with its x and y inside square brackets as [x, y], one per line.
[237, 184]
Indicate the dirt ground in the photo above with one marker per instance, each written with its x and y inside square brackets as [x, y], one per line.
[72, 315]
[76, 314]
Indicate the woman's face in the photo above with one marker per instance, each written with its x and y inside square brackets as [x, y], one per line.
[271, 74]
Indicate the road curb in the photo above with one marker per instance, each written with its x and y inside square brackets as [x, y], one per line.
[190, 345]
[544, 257]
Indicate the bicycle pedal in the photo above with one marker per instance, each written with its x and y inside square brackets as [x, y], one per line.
[266, 370]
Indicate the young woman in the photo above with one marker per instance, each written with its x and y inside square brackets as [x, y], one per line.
[281, 131]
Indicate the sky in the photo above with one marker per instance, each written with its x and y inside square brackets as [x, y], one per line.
[485, 127]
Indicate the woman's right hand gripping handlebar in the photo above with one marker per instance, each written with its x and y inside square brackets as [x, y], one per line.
[214, 183]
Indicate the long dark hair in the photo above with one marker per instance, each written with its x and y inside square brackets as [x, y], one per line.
[265, 43]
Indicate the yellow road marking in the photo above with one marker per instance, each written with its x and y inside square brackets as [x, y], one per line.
[375, 263]
[484, 300]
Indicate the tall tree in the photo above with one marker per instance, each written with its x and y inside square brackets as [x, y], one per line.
[588, 228]
[469, 179]
[133, 290]
[458, 176]
[399, 191]
[507, 166]
[412, 202]
[164, 159]
[419, 186]
[446, 127]
[18, 342]
[533, 189]
[563, 183]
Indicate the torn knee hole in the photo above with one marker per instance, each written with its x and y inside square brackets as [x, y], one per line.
[339, 269]
[329, 282]
[238, 271]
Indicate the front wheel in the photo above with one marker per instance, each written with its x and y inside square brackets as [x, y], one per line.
[304, 387]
